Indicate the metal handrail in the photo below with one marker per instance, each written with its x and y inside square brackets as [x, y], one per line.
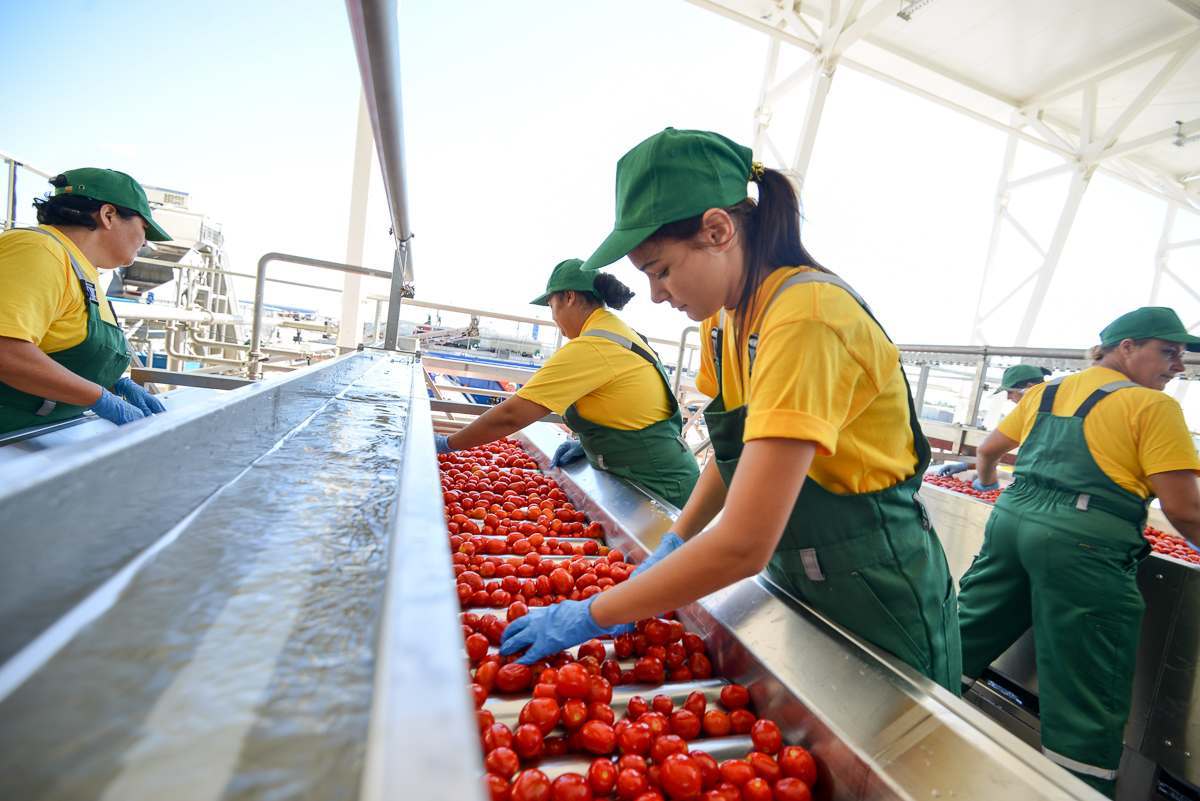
[679, 358]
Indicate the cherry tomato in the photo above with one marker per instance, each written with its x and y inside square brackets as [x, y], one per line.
[634, 761]
[756, 789]
[791, 789]
[766, 736]
[734, 696]
[571, 787]
[518, 609]
[797, 762]
[696, 703]
[741, 721]
[636, 707]
[631, 783]
[685, 724]
[662, 704]
[636, 739]
[556, 746]
[658, 723]
[602, 776]
[561, 581]
[666, 745]
[549, 691]
[600, 690]
[765, 765]
[700, 666]
[716, 723]
[484, 718]
[574, 714]
[573, 681]
[513, 678]
[693, 643]
[497, 736]
[710, 774]
[531, 785]
[502, 762]
[649, 670]
[592, 648]
[601, 712]
[477, 646]
[681, 777]
[737, 771]
[479, 694]
[485, 675]
[498, 789]
[542, 712]
[597, 737]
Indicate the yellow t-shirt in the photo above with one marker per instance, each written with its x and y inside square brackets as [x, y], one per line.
[609, 385]
[40, 298]
[1132, 435]
[824, 372]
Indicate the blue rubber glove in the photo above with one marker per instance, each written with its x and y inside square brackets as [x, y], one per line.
[666, 545]
[115, 410]
[128, 389]
[1191, 545]
[442, 443]
[569, 451]
[981, 487]
[546, 630]
[950, 468]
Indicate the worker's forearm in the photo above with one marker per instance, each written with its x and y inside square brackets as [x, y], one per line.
[706, 500]
[1186, 523]
[23, 366]
[985, 469]
[499, 421]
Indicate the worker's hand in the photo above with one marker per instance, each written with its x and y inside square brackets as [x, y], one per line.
[951, 468]
[129, 389]
[979, 486]
[442, 443]
[115, 410]
[569, 451]
[546, 630]
[666, 545]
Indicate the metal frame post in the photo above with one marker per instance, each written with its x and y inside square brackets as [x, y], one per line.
[350, 331]
[977, 390]
[922, 386]
[10, 197]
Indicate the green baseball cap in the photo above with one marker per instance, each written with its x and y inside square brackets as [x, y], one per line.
[1149, 322]
[1021, 374]
[672, 176]
[566, 275]
[110, 186]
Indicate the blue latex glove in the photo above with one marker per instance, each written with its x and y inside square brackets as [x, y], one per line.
[950, 468]
[981, 487]
[546, 630]
[129, 390]
[666, 545]
[442, 443]
[1192, 545]
[115, 410]
[569, 451]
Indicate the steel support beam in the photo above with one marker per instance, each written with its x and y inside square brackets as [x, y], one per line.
[350, 331]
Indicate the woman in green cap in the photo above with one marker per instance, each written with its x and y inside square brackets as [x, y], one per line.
[1062, 546]
[61, 349]
[607, 384]
[1015, 381]
[818, 455]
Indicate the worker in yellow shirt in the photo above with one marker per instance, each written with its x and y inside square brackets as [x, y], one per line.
[608, 385]
[61, 350]
[818, 454]
[1063, 543]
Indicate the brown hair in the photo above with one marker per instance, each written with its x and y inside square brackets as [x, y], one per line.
[1097, 352]
[770, 229]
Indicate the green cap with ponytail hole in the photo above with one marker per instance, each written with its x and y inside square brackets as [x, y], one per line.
[673, 175]
[566, 275]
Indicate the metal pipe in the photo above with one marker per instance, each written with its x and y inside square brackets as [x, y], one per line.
[679, 358]
[260, 286]
[178, 266]
[375, 29]
[10, 199]
[922, 386]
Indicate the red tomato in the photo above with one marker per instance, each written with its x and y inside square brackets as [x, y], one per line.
[471, 579]
[602, 776]
[556, 746]
[601, 712]
[636, 739]
[710, 774]
[485, 675]
[502, 762]
[541, 712]
[498, 789]
[649, 670]
[764, 765]
[477, 646]
[756, 789]
[549, 691]
[571, 787]
[636, 707]
[736, 771]
[518, 609]
[662, 704]
[700, 666]
[597, 737]
[666, 745]
[696, 703]
[723, 792]
[741, 721]
[734, 696]
[792, 789]
[484, 718]
[631, 783]
[600, 689]
[766, 736]
[680, 777]
[693, 643]
[657, 632]
[513, 678]
[497, 736]
[685, 724]
[798, 763]
[479, 694]
[658, 723]
[574, 714]
[592, 648]
[634, 761]
[573, 681]
[716, 723]
[531, 785]
[561, 581]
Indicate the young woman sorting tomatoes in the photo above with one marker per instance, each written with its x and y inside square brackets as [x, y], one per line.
[608, 385]
[1062, 546]
[818, 456]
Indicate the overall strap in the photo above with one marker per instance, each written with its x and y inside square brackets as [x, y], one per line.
[91, 288]
[800, 278]
[717, 338]
[1099, 395]
[1047, 404]
[624, 342]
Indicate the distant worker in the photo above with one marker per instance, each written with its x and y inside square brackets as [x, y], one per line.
[61, 348]
[1015, 381]
[609, 386]
[1064, 540]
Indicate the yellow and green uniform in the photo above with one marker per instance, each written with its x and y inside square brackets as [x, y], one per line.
[49, 296]
[612, 391]
[858, 545]
[1061, 553]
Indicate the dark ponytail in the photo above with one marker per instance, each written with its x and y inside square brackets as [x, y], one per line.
[611, 292]
[770, 229]
[72, 209]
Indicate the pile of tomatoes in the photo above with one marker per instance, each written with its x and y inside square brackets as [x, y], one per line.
[1170, 544]
[508, 527]
[1162, 542]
